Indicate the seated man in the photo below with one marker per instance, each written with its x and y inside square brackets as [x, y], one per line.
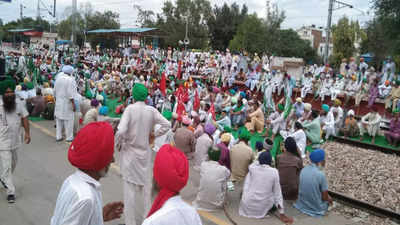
[313, 129]
[313, 196]
[370, 122]
[224, 120]
[277, 121]
[327, 121]
[299, 136]
[237, 113]
[256, 119]
[213, 183]
[384, 90]
[241, 156]
[306, 84]
[171, 173]
[350, 128]
[262, 191]
[393, 98]
[393, 134]
[38, 103]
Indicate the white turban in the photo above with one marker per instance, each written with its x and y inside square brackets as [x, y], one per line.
[350, 112]
[307, 106]
[67, 69]
[99, 98]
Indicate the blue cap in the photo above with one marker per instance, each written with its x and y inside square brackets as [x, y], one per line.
[318, 155]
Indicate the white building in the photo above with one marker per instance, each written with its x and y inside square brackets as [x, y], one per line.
[46, 39]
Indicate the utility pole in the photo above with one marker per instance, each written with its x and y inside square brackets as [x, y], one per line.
[38, 10]
[73, 35]
[328, 31]
[329, 24]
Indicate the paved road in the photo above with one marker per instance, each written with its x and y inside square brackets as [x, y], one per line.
[41, 169]
[43, 166]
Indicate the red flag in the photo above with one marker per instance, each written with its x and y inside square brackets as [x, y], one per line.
[179, 70]
[180, 109]
[212, 110]
[163, 84]
[196, 104]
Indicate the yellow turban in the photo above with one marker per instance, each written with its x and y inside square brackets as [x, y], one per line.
[226, 137]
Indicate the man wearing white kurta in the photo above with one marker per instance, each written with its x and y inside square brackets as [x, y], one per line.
[133, 134]
[65, 92]
[262, 190]
[13, 116]
[213, 183]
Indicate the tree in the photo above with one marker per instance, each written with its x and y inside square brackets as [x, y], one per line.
[291, 45]
[272, 24]
[172, 20]
[223, 24]
[87, 20]
[145, 18]
[376, 42]
[343, 37]
[26, 22]
[250, 35]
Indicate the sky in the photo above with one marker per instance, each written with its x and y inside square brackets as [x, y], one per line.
[298, 12]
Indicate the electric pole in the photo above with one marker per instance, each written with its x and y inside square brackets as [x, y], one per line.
[329, 24]
[73, 35]
[328, 31]
[38, 10]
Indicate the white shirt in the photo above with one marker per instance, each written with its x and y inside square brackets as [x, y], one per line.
[64, 91]
[261, 191]
[174, 211]
[212, 189]
[79, 202]
[136, 124]
[10, 126]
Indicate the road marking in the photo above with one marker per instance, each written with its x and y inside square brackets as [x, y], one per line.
[116, 169]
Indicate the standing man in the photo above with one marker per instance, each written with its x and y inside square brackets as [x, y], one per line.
[65, 92]
[13, 116]
[134, 135]
[79, 201]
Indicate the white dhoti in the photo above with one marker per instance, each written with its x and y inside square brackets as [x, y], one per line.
[304, 91]
[134, 197]
[69, 129]
[139, 198]
[77, 117]
[334, 93]
[371, 129]
[329, 130]
[8, 162]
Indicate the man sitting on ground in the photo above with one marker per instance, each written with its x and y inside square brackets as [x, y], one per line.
[262, 191]
[241, 156]
[171, 173]
[370, 123]
[213, 183]
[350, 128]
[313, 197]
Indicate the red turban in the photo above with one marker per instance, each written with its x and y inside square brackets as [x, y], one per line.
[93, 147]
[171, 172]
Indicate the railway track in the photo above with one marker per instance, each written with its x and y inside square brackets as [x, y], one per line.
[364, 206]
[361, 144]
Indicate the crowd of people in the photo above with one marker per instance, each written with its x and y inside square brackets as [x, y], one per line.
[193, 109]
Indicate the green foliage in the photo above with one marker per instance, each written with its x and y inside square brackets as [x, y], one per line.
[223, 24]
[265, 36]
[172, 21]
[145, 17]
[27, 22]
[344, 34]
[249, 36]
[90, 21]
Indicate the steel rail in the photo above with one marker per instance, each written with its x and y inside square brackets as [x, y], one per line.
[366, 145]
[362, 205]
